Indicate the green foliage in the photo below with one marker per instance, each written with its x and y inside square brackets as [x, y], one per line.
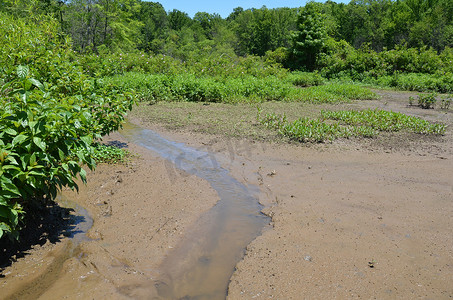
[305, 79]
[445, 102]
[342, 58]
[261, 30]
[102, 153]
[244, 88]
[188, 87]
[365, 124]
[38, 135]
[50, 113]
[427, 100]
[309, 39]
[103, 23]
[136, 24]
[307, 130]
[404, 68]
[385, 121]
[416, 82]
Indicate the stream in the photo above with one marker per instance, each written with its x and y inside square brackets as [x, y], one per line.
[200, 267]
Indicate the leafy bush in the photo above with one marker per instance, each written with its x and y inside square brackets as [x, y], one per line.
[305, 79]
[442, 83]
[342, 57]
[427, 100]
[404, 68]
[50, 113]
[215, 65]
[446, 102]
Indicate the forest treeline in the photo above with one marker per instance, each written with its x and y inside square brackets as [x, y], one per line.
[126, 25]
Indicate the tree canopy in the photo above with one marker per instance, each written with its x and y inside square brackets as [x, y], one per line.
[126, 25]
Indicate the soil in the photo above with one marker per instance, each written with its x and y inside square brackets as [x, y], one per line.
[355, 218]
[139, 212]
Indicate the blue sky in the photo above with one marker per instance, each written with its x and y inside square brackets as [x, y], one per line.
[224, 8]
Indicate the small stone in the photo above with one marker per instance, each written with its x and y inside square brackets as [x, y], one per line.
[272, 173]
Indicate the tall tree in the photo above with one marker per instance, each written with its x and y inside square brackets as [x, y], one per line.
[310, 37]
[178, 19]
[260, 30]
[155, 25]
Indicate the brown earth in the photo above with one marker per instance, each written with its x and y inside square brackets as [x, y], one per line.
[356, 218]
[140, 214]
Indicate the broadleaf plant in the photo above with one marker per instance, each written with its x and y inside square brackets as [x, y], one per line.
[50, 114]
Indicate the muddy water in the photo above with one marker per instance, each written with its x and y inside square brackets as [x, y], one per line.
[201, 266]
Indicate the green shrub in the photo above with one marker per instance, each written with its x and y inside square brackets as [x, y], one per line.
[427, 100]
[305, 79]
[50, 113]
[446, 102]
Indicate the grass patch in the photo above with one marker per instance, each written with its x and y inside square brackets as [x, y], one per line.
[385, 121]
[108, 154]
[365, 124]
[308, 130]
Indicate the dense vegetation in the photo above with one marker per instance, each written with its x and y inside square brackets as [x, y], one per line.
[70, 71]
[51, 112]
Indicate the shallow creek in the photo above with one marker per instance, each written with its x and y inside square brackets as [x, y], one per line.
[201, 265]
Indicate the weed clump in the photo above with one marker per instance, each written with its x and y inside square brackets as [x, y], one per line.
[427, 101]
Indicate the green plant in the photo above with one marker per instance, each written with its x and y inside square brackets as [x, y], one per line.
[427, 100]
[411, 101]
[310, 36]
[50, 112]
[445, 102]
[305, 79]
[102, 153]
[367, 123]
[384, 121]
[38, 136]
[313, 130]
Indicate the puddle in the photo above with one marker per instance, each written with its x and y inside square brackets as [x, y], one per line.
[200, 267]
[80, 220]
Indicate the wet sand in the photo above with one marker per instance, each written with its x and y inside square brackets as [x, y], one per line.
[348, 220]
[140, 212]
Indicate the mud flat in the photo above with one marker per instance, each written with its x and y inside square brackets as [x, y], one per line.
[368, 219]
